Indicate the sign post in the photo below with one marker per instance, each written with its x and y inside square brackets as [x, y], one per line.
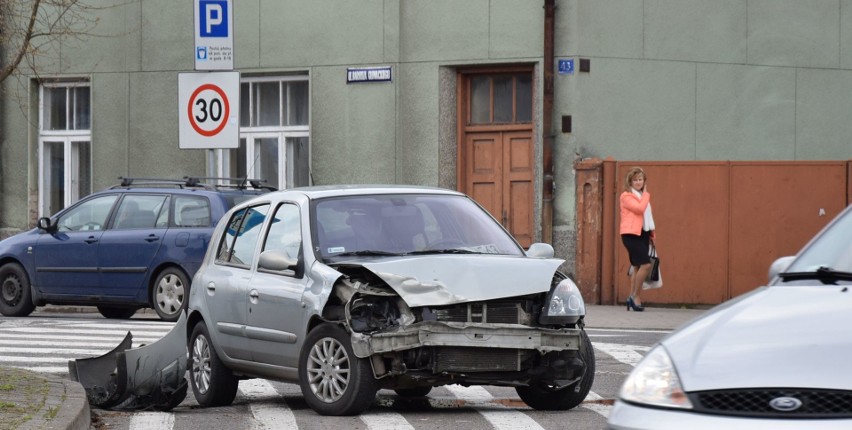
[214, 35]
[208, 107]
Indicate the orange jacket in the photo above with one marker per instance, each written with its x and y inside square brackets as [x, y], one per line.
[633, 212]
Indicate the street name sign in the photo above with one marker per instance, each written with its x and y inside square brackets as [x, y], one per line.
[208, 110]
[214, 34]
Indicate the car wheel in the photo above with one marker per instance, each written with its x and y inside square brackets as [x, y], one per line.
[413, 392]
[15, 291]
[169, 294]
[117, 313]
[333, 380]
[547, 399]
[212, 383]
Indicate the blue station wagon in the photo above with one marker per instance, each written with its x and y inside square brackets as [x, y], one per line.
[131, 246]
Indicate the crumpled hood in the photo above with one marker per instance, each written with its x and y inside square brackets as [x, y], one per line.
[436, 280]
[782, 336]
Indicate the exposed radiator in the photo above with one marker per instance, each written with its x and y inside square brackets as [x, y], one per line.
[483, 312]
[455, 359]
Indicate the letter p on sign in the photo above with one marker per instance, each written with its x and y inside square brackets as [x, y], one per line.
[214, 18]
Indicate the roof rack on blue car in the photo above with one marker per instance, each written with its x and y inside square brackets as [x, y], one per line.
[217, 183]
[237, 183]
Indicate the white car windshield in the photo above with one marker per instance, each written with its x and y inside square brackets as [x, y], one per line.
[830, 252]
[404, 224]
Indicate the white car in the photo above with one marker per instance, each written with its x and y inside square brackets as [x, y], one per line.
[776, 358]
[345, 290]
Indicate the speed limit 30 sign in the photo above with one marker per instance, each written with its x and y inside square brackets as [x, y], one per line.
[208, 110]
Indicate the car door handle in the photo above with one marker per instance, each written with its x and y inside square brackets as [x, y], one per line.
[152, 238]
[254, 294]
[91, 239]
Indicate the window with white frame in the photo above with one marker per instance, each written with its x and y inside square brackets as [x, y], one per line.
[274, 132]
[65, 137]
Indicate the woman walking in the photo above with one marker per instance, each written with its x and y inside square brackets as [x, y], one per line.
[637, 231]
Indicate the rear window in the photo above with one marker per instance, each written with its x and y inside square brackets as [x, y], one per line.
[241, 236]
[192, 211]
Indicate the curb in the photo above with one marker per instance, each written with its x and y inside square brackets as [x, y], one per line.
[69, 400]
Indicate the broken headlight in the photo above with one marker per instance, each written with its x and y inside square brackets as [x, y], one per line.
[564, 304]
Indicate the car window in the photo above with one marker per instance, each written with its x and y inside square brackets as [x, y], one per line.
[163, 217]
[241, 235]
[89, 215]
[192, 211]
[139, 211]
[285, 232]
[407, 223]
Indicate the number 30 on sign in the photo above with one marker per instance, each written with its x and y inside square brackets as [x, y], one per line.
[208, 106]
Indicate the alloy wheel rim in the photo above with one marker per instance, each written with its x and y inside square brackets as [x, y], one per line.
[201, 364]
[328, 370]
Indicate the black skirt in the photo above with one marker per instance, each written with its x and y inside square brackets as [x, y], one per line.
[637, 247]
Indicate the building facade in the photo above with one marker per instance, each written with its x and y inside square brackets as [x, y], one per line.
[469, 105]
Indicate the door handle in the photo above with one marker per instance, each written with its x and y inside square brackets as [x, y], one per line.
[91, 239]
[152, 238]
[254, 294]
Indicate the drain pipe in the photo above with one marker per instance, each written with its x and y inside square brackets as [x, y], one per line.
[547, 126]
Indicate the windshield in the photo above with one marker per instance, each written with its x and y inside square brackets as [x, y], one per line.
[402, 224]
[831, 250]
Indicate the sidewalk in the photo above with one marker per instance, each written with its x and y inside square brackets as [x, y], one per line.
[653, 318]
[30, 400]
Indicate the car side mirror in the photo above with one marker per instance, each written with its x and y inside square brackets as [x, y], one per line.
[276, 261]
[780, 265]
[44, 224]
[540, 250]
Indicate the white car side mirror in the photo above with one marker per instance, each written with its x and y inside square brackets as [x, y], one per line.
[779, 266]
[540, 250]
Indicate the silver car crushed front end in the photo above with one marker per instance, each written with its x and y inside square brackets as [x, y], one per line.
[509, 341]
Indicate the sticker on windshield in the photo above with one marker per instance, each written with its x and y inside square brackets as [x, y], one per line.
[335, 250]
[488, 248]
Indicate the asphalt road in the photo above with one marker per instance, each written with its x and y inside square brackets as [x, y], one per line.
[45, 342]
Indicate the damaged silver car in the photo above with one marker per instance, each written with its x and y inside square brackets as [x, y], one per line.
[346, 290]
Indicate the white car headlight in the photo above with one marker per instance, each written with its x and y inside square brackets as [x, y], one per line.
[564, 305]
[654, 381]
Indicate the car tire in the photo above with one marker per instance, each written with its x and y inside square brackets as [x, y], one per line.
[545, 399]
[413, 392]
[327, 356]
[213, 384]
[170, 293]
[117, 313]
[15, 294]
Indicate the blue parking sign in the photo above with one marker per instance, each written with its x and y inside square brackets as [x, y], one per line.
[214, 34]
[213, 18]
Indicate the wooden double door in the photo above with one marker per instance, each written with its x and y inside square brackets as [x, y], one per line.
[496, 150]
[499, 175]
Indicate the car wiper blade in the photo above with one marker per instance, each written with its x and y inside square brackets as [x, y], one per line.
[365, 252]
[444, 251]
[824, 274]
